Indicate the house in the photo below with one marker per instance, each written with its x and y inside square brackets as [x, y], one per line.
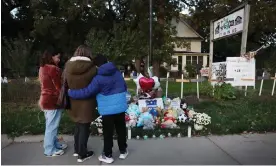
[191, 54]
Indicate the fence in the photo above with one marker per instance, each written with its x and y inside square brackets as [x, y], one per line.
[198, 80]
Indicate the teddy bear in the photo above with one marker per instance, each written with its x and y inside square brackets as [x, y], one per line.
[169, 121]
[145, 118]
[133, 108]
[160, 111]
[132, 120]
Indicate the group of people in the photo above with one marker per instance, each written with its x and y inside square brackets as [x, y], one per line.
[94, 85]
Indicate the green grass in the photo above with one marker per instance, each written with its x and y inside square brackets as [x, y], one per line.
[190, 88]
[228, 117]
[21, 115]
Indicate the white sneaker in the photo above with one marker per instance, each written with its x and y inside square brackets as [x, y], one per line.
[105, 159]
[86, 157]
[75, 154]
[123, 155]
[57, 153]
[63, 146]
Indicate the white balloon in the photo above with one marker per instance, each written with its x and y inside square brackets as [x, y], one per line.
[150, 71]
[156, 82]
[136, 81]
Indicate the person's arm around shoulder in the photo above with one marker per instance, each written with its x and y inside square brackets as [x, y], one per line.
[91, 90]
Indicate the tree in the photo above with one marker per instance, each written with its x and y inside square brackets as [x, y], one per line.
[16, 55]
[66, 23]
[261, 26]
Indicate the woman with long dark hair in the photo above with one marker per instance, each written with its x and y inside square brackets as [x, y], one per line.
[50, 80]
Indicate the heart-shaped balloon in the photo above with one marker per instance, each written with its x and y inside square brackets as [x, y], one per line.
[146, 84]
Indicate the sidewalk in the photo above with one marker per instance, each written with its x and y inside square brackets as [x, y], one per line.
[214, 150]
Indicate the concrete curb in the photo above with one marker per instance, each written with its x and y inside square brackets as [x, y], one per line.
[5, 141]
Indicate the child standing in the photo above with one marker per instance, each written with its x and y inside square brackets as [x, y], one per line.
[50, 81]
[110, 90]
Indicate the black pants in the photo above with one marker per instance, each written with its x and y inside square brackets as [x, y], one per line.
[109, 122]
[81, 137]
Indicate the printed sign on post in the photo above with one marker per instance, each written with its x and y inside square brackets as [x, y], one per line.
[218, 71]
[151, 103]
[204, 72]
[229, 25]
[242, 70]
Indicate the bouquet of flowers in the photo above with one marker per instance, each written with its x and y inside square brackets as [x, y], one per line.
[201, 120]
[98, 123]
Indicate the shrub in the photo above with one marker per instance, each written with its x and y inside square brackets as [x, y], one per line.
[225, 92]
[191, 69]
[207, 89]
[19, 92]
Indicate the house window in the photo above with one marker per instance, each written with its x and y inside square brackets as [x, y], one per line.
[194, 60]
[200, 60]
[189, 60]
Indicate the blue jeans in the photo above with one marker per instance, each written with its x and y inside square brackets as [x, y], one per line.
[51, 144]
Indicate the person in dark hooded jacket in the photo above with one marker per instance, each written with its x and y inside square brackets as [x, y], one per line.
[110, 90]
[79, 72]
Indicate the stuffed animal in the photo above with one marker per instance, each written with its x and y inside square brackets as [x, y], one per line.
[148, 124]
[179, 111]
[127, 118]
[153, 112]
[133, 108]
[145, 117]
[172, 112]
[132, 120]
[168, 121]
[157, 121]
[191, 113]
[182, 118]
[183, 104]
[167, 102]
[159, 110]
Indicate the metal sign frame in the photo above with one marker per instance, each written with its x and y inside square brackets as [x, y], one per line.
[244, 32]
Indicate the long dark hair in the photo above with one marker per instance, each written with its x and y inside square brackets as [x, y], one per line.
[46, 57]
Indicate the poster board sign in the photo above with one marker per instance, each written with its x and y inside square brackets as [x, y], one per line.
[204, 72]
[175, 104]
[218, 71]
[151, 103]
[229, 25]
[242, 70]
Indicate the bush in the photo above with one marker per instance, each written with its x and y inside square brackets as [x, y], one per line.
[191, 69]
[19, 92]
[225, 92]
[207, 89]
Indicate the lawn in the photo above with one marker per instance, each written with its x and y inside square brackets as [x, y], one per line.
[21, 115]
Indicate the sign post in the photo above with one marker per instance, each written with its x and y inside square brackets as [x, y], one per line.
[273, 87]
[211, 51]
[245, 29]
[232, 24]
